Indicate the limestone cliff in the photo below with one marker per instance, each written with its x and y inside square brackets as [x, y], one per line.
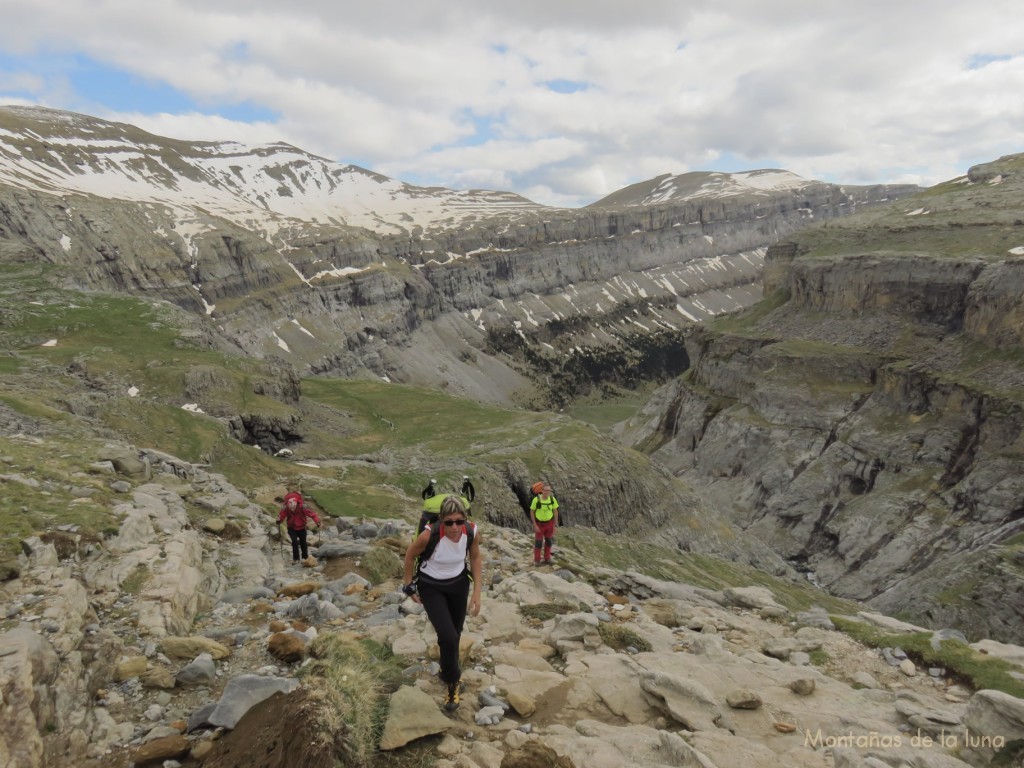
[346, 272]
[866, 419]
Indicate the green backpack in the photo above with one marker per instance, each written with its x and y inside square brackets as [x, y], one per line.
[432, 506]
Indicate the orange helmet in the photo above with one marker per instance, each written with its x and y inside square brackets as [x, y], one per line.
[537, 488]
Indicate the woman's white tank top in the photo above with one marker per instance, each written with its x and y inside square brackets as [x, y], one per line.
[449, 558]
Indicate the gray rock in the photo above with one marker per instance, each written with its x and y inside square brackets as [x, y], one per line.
[488, 699]
[201, 671]
[340, 586]
[890, 657]
[992, 718]
[803, 686]
[865, 679]
[755, 598]
[779, 648]
[342, 549]
[940, 635]
[815, 617]
[244, 692]
[365, 531]
[412, 715]
[200, 717]
[386, 615]
[489, 715]
[743, 699]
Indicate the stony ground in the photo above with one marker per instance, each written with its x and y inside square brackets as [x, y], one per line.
[278, 733]
[710, 680]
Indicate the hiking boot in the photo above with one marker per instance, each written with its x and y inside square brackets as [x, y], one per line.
[451, 699]
[548, 561]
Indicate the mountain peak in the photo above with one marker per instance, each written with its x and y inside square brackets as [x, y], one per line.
[671, 188]
[266, 187]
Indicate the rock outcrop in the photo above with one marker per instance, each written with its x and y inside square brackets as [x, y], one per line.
[865, 421]
[617, 669]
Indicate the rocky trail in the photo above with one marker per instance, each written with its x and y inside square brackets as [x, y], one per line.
[182, 642]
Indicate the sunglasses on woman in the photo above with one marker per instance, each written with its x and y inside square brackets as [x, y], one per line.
[450, 523]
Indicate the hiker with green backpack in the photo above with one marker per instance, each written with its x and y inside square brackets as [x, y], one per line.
[437, 577]
[432, 501]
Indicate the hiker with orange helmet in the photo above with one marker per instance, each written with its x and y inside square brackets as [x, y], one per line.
[544, 514]
[296, 512]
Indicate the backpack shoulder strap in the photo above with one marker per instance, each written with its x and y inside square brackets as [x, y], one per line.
[428, 551]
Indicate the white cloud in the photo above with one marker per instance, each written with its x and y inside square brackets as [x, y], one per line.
[857, 92]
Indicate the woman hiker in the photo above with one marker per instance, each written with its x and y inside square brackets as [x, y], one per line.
[296, 512]
[436, 576]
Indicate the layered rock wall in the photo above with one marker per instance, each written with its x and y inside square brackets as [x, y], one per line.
[870, 430]
[357, 292]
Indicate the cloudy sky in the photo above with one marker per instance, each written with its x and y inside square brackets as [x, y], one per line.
[562, 101]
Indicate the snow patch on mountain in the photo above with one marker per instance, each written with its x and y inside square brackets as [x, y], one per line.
[265, 188]
[713, 185]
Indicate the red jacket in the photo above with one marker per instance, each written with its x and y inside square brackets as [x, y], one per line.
[296, 517]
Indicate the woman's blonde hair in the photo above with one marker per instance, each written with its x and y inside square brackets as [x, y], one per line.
[450, 506]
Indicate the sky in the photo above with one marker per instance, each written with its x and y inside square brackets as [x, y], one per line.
[562, 101]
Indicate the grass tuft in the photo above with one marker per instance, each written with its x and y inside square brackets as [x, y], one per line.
[136, 580]
[977, 670]
[819, 657]
[381, 564]
[621, 636]
[541, 612]
[352, 678]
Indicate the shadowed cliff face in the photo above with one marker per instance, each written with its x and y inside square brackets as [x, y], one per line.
[866, 420]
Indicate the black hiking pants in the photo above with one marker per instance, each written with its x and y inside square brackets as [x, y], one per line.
[298, 542]
[446, 604]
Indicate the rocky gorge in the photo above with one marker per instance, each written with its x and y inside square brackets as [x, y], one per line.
[855, 427]
[865, 420]
[344, 272]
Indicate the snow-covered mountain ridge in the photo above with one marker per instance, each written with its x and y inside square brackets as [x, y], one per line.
[675, 188]
[273, 186]
[347, 272]
[263, 187]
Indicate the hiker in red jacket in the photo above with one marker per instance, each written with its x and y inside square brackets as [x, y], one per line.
[296, 512]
